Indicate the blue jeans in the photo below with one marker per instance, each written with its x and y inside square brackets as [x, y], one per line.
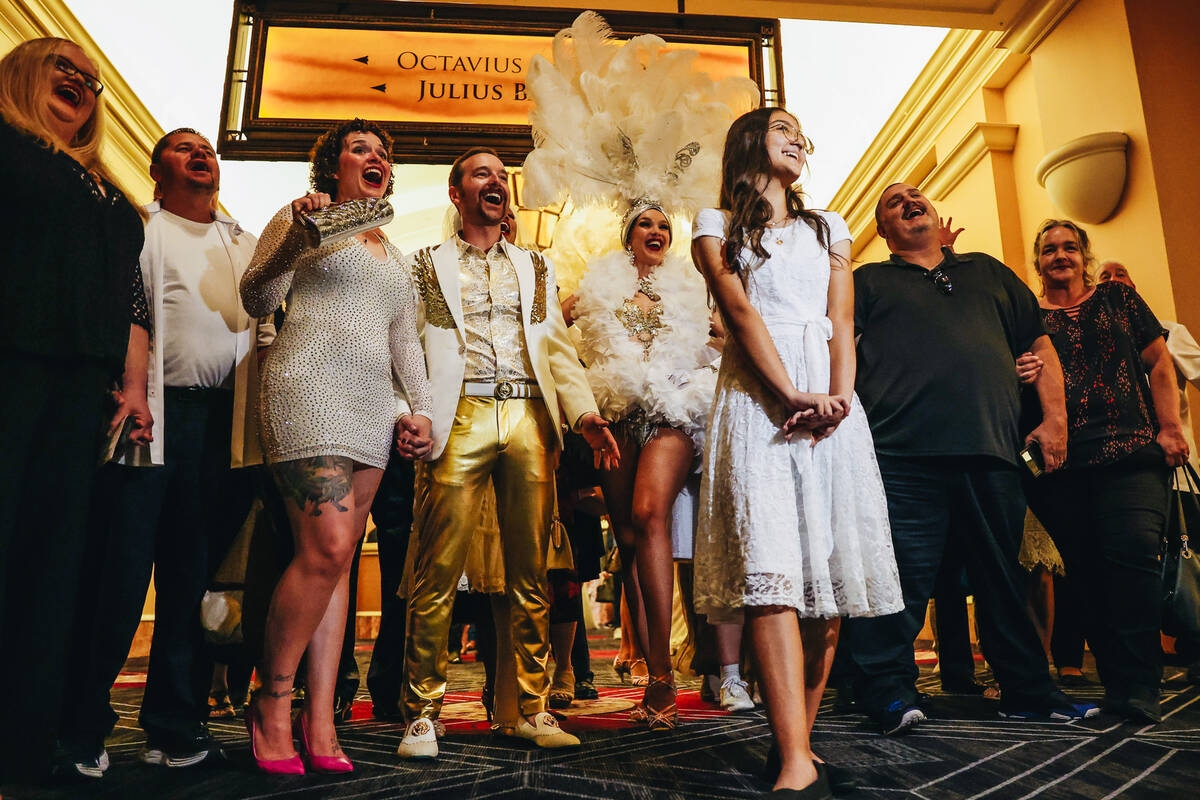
[976, 504]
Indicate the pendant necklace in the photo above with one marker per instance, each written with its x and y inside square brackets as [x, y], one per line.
[646, 287]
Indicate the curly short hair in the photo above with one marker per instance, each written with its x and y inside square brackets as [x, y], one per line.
[327, 151]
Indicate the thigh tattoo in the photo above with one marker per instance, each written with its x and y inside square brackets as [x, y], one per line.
[314, 481]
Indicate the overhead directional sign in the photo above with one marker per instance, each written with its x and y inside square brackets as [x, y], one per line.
[418, 76]
[440, 78]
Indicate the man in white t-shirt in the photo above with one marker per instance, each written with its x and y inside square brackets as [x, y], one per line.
[176, 503]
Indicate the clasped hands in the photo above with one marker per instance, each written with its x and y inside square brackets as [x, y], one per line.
[815, 414]
[132, 404]
[414, 436]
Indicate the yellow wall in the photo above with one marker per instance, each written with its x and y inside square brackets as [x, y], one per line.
[1082, 77]
[1087, 82]
[1102, 65]
[1166, 39]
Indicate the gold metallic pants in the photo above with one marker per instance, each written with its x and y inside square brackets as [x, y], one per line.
[511, 443]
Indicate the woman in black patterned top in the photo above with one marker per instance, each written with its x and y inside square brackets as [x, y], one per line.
[1106, 508]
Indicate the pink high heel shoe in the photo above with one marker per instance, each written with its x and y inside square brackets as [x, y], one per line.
[316, 763]
[275, 766]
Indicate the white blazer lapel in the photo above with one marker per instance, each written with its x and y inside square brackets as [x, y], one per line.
[524, 267]
[445, 265]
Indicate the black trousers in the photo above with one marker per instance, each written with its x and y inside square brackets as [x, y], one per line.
[177, 520]
[1107, 523]
[956, 659]
[1070, 611]
[51, 414]
[566, 606]
[978, 502]
[393, 515]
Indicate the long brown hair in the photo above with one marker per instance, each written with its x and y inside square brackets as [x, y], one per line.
[744, 166]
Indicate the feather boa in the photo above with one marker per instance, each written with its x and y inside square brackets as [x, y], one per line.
[675, 384]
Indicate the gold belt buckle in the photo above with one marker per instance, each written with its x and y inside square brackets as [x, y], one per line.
[504, 390]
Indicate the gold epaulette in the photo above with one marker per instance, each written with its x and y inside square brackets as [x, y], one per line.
[537, 312]
[437, 312]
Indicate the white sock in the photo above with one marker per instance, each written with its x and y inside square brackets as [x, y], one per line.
[730, 672]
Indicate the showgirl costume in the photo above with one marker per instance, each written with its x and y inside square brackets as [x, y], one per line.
[647, 368]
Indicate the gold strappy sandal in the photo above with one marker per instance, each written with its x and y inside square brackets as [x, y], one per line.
[663, 719]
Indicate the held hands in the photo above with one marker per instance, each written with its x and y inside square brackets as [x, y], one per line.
[1051, 436]
[817, 414]
[133, 404]
[313, 201]
[604, 447]
[414, 438]
[1029, 367]
[1174, 445]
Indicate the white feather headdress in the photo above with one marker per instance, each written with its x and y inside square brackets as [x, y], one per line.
[617, 122]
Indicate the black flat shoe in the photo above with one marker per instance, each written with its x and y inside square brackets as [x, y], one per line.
[817, 790]
[841, 780]
[1071, 680]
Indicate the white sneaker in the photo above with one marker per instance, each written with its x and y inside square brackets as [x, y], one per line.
[420, 740]
[94, 768]
[734, 695]
[542, 729]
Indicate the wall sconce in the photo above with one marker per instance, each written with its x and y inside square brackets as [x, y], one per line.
[1086, 176]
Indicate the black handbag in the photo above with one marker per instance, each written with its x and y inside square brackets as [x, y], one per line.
[1181, 564]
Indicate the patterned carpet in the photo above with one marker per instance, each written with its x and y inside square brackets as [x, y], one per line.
[964, 751]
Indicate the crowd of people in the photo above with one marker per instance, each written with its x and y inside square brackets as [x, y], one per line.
[853, 431]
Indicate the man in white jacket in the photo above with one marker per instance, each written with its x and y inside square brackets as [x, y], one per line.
[505, 378]
[173, 504]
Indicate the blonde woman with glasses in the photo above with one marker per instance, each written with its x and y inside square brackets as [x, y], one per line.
[70, 257]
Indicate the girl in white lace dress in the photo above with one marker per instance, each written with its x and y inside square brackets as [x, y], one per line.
[793, 517]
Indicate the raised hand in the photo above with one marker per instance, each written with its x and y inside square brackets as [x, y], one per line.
[947, 236]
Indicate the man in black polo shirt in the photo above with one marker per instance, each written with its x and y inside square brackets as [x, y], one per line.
[939, 336]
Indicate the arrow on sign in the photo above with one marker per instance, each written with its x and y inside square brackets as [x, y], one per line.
[380, 88]
[362, 60]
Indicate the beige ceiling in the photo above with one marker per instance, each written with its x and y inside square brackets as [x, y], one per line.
[982, 14]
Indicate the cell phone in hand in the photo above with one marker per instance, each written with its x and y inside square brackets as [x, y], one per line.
[1031, 457]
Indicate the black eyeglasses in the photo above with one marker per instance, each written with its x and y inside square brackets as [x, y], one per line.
[941, 279]
[64, 65]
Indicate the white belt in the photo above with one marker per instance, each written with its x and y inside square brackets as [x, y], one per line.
[503, 390]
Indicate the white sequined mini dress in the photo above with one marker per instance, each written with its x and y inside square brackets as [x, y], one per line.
[327, 382]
